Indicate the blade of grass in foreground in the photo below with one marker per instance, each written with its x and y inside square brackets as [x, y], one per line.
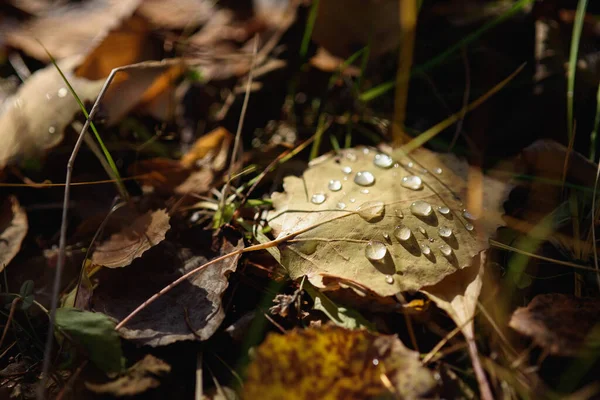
[114, 173]
[575, 38]
[387, 86]
[594, 134]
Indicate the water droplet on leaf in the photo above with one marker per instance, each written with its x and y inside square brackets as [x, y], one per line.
[352, 200]
[444, 210]
[469, 227]
[347, 169]
[318, 198]
[364, 191]
[334, 185]
[399, 213]
[51, 129]
[389, 279]
[421, 208]
[468, 215]
[412, 182]
[438, 171]
[402, 233]
[340, 205]
[371, 210]
[446, 250]
[425, 249]
[364, 178]
[383, 160]
[62, 92]
[445, 232]
[423, 231]
[375, 250]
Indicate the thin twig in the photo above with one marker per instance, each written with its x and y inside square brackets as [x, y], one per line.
[11, 315]
[238, 134]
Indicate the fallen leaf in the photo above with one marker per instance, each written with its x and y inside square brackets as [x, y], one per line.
[13, 228]
[205, 144]
[378, 223]
[138, 378]
[335, 363]
[122, 248]
[177, 14]
[167, 176]
[96, 333]
[192, 310]
[71, 29]
[457, 294]
[33, 120]
[558, 323]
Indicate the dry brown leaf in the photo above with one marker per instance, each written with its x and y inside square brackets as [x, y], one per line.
[177, 14]
[333, 222]
[138, 378]
[122, 248]
[71, 29]
[210, 142]
[458, 294]
[336, 363]
[558, 323]
[191, 311]
[13, 228]
[33, 120]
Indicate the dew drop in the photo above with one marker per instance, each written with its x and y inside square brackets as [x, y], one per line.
[48, 96]
[51, 129]
[389, 279]
[375, 250]
[410, 164]
[468, 215]
[424, 171]
[352, 200]
[364, 191]
[431, 240]
[402, 233]
[421, 208]
[365, 150]
[364, 178]
[340, 205]
[469, 227]
[396, 165]
[445, 232]
[318, 198]
[438, 171]
[446, 250]
[425, 249]
[351, 156]
[423, 231]
[62, 92]
[334, 185]
[375, 362]
[371, 210]
[412, 182]
[444, 210]
[383, 160]
[386, 236]
[347, 170]
[399, 213]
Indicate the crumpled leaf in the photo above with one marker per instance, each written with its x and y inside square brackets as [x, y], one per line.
[71, 29]
[122, 248]
[335, 363]
[138, 378]
[96, 333]
[328, 241]
[559, 323]
[33, 120]
[190, 311]
[13, 228]
[457, 294]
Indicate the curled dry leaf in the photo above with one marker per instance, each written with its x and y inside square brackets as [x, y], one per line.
[457, 294]
[13, 228]
[557, 322]
[332, 362]
[138, 378]
[122, 248]
[71, 29]
[192, 310]
[33, 120]
[381, 223]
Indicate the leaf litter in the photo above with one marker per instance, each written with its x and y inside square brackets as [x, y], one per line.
[372, 232]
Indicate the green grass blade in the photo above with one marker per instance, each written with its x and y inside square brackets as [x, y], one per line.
[310, 25]
[387, 86]
[109, 159]
[575, 38]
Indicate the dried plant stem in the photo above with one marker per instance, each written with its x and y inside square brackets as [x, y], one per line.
[63, 228]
